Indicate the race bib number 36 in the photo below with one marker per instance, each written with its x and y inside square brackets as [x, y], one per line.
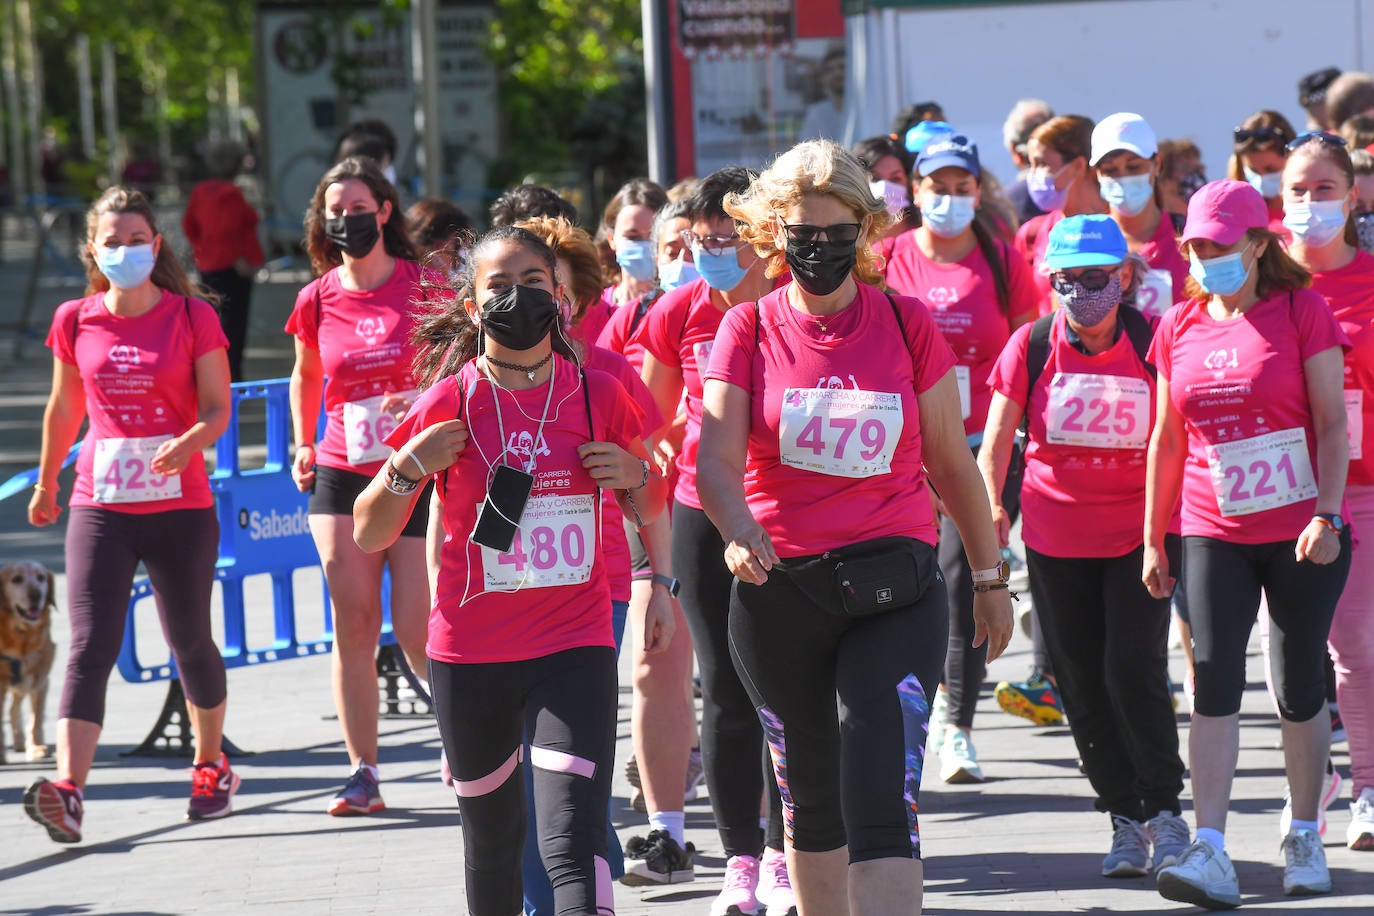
[555, 545]
[365, 426]
[121, 473]
[840, 431]
[1262, 472]
[1098, 411]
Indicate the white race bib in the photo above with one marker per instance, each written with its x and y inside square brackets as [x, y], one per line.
[1098, 411]
[555, 545]
[121, 474]
[366, 425]
[1262, 472]
[961, 377]
[1354, 422]
[1156, 293]
[840, 431]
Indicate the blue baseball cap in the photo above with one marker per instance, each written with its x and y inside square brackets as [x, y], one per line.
[923, 133]
[949, 150]
[1092, 240]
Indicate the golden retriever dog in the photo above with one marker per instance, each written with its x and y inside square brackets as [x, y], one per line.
[28, 599]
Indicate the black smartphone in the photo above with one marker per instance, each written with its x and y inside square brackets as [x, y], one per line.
[499, 519]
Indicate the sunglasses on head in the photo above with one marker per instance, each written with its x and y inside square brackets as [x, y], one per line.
[1321, 136]
[711, 244]
[1258, 135]
[1092, 279]
[805, 234]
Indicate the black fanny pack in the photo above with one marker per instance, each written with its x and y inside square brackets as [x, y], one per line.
[870, 577]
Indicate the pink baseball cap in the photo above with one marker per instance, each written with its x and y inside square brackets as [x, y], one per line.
[1222, 212]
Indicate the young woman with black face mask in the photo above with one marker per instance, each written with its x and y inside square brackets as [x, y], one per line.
[522, 440]
[352, 327]
[826, 404]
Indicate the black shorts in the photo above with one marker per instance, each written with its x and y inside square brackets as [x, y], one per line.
[336, 490]
[639, 559]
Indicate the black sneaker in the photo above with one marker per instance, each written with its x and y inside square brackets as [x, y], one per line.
[662, 861]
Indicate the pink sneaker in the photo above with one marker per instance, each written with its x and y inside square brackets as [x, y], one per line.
[775, 888]
[739, 895]
[57, 806]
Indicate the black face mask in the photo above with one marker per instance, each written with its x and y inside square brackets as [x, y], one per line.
[356, 234]
[519, 317]
[820, 267]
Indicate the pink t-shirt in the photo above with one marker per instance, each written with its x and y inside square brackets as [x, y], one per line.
[588, 328]
[364, 341]
[1089, 420]
[835, 431]
[558, 560]
[140, 380]
[617, 546]
[624, 332]
[1032, 240]
[1163, 285]
[1350, 293]
[962, 298]
[1251, 469]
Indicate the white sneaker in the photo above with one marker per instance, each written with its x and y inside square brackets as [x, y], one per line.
[1304, 868]
[1130, 855]
[1169, 834]
[1331, 789]
[939, 722]
[958, 760]
[1360, 834]
[1203, 877]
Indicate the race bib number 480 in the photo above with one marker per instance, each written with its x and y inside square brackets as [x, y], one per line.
[365, 426]
[840, 431]
[1098, 411]
[121, 472]
[555, 545]
[1262, 472]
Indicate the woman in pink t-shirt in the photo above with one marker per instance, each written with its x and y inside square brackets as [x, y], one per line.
[1089, 408]
[146, 362]
[1258, 151]
[522, 441]
[352, 327]
[1319, 197]
[978, 291]
[1251, 433]
[628, 222]
[826, 403]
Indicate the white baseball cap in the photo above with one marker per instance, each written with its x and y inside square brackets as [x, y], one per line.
[1123, 130]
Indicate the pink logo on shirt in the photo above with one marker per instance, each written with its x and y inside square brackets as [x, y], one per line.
[835, 382]
[371, 329]
[124, 356]
[523, 447]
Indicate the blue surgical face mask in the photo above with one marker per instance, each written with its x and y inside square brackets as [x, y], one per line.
[1270, 184]
[636, 258]
[127, 266]
[1223, 276]
[1128, 195]
[720, 271]
[1315, 223]
[678, 273]
[946, 215]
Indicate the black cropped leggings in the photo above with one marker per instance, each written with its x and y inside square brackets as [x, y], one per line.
[566, 703]
[104, 547]
[849, 775]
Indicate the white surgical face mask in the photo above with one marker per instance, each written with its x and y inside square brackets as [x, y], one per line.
[1315, 223]
[1127, 195]
[892, 194]
[1270, 184]
[946, 215]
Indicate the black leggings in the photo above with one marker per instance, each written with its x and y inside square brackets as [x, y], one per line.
[1223, 582]
[732, 750]
[567, 704]
[178, 548]
[966, 667]
[235, 291]
[1109, 642]
[850, 776]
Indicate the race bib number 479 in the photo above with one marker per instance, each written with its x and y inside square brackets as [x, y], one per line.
[121, 471]
[840, 431]
[1262, 472]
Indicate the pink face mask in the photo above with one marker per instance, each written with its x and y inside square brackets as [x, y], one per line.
[893, 195]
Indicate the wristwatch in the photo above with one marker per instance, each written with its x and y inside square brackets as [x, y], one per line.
[1332, 520]
[998, 573]
[668, 582]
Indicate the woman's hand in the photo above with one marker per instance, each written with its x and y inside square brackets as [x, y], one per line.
[660, 623]
[171, 457]
[1155, 573]
[436, 447]
[1001, 523]
[611, 466]
[992, 620]
[43, 507]
[750, 554]
[397, 405]
[1318, 543]
[303, 468]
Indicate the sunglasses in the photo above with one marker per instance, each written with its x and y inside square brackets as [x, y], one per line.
[1092, 279]
[1321, 136]
[1258, 135]
[839, 233]
[711, 244]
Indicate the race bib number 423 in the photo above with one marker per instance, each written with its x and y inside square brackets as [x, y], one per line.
[840, 431]
[1262, 472]
[121, 472]
[555, 545]
[1098, 411]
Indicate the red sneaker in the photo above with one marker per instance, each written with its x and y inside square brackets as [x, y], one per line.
[212, 790]
[57, 806]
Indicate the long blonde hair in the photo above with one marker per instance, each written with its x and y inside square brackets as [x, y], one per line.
[812, 167]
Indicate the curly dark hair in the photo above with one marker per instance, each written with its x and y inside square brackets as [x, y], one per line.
[528, 201]
[324, 254]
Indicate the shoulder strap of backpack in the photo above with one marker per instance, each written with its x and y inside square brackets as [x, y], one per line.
[646, 301]
[897, 313]
[319, 307]
[1038, 350]
[1138, 330]
[587, 401]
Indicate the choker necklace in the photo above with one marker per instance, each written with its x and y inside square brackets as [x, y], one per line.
[516, 367]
